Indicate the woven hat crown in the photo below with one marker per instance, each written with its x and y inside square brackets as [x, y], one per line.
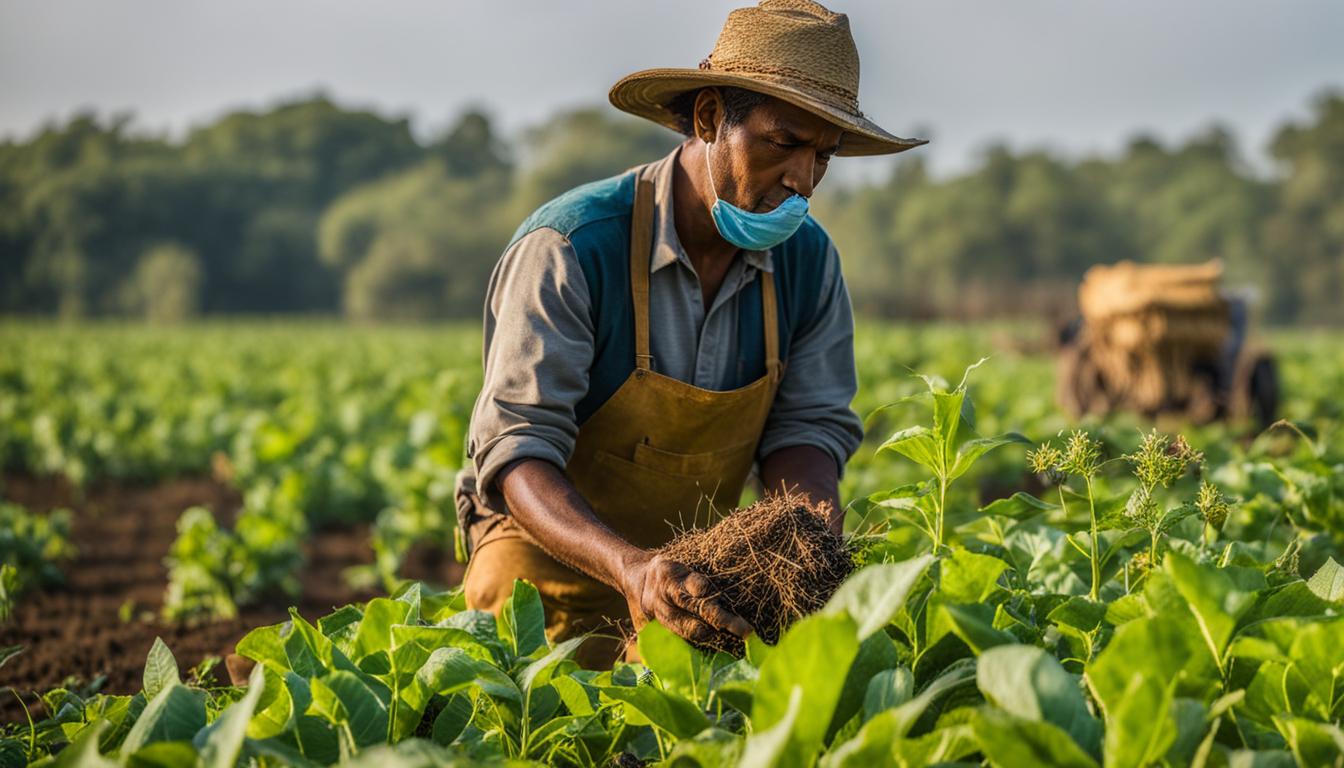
[797, 43]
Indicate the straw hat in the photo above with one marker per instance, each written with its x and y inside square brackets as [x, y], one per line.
[794, 50]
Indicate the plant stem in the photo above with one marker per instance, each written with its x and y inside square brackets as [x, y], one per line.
[942, 508]
[1096, 541]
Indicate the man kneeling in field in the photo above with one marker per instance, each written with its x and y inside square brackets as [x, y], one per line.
[650, 337]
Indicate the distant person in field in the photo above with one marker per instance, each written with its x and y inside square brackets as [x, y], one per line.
[652, 337]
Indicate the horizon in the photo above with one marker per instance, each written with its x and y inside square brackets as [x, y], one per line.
[1024, 77]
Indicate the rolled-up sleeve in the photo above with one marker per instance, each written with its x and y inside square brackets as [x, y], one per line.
[537, 354]
[812, 406]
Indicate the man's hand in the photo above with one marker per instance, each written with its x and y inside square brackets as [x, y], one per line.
[680, 599]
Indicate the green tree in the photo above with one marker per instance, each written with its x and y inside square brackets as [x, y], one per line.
[1305, 235]
[166, 285]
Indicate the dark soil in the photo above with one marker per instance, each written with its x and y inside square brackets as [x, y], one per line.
[122, 532]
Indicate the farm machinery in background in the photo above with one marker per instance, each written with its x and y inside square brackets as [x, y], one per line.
[1163, 339]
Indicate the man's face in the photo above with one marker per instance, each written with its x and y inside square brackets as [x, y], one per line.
[778, 150]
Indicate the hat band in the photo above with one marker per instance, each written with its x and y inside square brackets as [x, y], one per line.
[845, 98]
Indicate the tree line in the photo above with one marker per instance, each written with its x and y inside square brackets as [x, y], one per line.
[310, 207]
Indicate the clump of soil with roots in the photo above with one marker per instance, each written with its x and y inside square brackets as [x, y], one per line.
[771, 563]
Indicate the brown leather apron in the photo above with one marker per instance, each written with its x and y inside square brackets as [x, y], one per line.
[658, 456]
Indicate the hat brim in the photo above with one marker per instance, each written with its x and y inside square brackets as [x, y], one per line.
[647, 93]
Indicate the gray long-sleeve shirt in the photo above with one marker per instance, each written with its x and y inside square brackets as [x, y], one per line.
[539, 348]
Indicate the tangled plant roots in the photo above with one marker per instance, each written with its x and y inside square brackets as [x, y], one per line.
[772, 563]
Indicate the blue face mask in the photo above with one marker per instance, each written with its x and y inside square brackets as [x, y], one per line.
[755, 231]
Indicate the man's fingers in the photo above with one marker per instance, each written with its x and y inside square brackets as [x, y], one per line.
[710, 610]
[686, 624]
[713, 612]
[698, 586]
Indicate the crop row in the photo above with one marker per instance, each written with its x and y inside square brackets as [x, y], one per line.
[1149, 607]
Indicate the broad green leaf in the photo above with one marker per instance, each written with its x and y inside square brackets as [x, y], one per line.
[1313, 743]
[1328, 582]
[974, 624]
[1193, 723]
[1292, 599]
[265, 645]
[1140, 727]
[577, 697]
[1019, 505]
[888, 689]
[874, 595]
[83, 752]
[775, 745]
[947, 422]
[954, 677]
[711, 748]
[522, 622]
[1029, 683]
[163, 754]
[160, 669]
[311, 653]
[1011, 742]
[1213, 599]
[758, 649]
[680, 667]
[972, 450]
[340, 626]
[539, 672]
[735, 684]
[222, 741]
[968, 577]
[814, 654]
[1159, 646]
[903, 496]
[1317, 652]
[1264, 758]
[919, 444]
[175, 714]
[452, 719]
[877, 654]
[343, 697]
[666, 710]
[1079, 613]
[449, 670]
[875, 745]
[375, 628]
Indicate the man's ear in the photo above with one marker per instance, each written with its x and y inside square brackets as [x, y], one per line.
[708, 114]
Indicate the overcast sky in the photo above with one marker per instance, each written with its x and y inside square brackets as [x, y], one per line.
[1076, 75]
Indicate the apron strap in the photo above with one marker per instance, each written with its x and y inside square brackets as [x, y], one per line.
[770, 320]
[641, 250]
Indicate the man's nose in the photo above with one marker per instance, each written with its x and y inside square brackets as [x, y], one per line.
[798, 175]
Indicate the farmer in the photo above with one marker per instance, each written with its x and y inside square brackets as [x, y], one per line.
[651, 337]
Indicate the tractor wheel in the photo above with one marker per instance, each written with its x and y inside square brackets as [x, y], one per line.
[1263, 390]
[1079, 388]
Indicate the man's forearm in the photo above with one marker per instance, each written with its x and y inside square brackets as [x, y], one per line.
[806, 469]
[545, 503]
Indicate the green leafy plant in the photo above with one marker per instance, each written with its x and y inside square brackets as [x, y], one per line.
[32, 547]
[947, 447]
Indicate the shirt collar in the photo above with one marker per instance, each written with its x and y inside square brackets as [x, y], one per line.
[666, 245]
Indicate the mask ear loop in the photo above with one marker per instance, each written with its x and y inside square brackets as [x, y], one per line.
[710, 171]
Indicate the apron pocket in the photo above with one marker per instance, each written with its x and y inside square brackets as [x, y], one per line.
[691, 464]
[652, 505]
